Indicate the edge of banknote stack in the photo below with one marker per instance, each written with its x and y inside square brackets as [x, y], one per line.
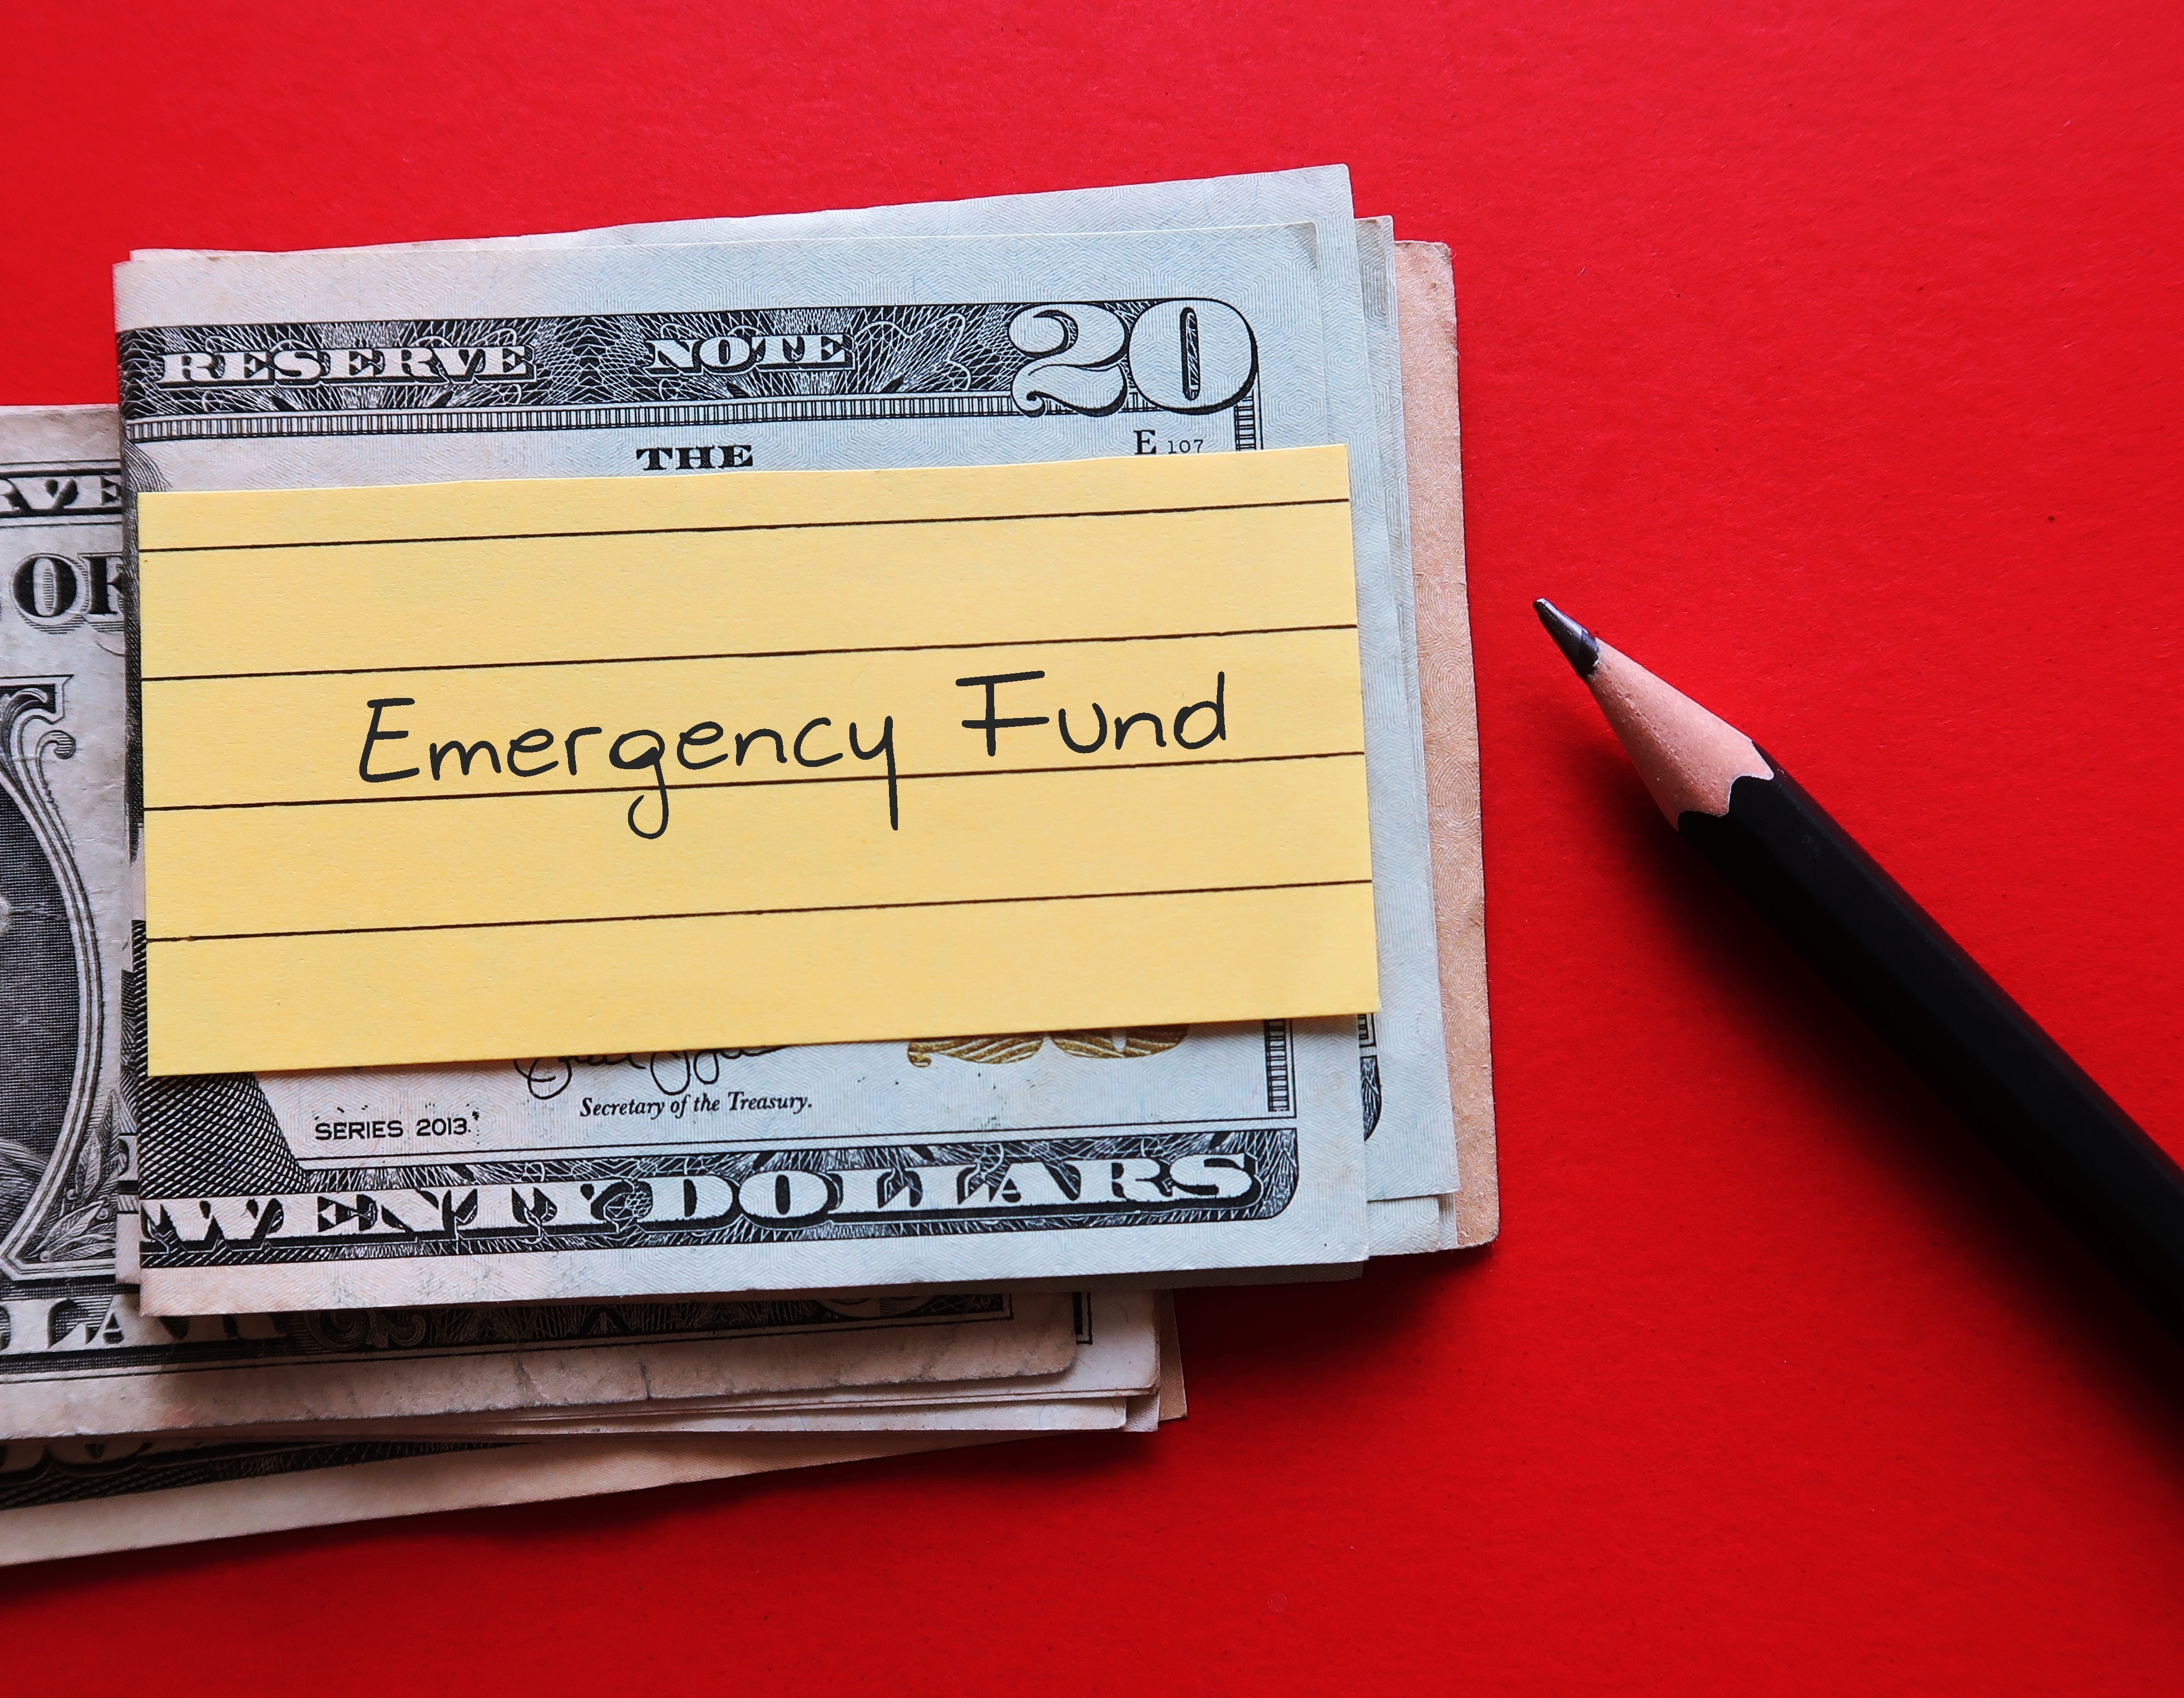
[181, 1363]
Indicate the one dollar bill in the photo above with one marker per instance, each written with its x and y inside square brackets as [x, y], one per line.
[78, 1356]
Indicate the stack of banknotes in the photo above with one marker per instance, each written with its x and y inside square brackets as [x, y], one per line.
[248, 1302]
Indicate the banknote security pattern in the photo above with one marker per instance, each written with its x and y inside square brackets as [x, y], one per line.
[1193, 358]
[720, 1199]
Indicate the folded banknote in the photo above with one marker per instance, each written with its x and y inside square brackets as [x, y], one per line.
[121, 1428]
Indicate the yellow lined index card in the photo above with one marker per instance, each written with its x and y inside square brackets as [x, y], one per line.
[462, 771]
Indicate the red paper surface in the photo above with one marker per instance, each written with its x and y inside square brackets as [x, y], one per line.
[1826, 357]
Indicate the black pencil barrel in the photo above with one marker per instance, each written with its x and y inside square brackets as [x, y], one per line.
[2034, 1106]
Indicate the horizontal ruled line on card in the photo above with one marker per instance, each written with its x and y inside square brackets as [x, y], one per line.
[769, 913]
[645, 788]
[747, 654]
[727, 530]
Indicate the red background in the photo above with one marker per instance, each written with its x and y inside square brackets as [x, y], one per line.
[1826, 357]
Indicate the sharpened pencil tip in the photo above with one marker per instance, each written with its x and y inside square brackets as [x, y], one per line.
[1579, 647]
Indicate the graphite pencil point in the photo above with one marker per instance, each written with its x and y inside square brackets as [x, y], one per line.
[1579, 647]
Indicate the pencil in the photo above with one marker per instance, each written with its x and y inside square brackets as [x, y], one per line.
[1982, 1055]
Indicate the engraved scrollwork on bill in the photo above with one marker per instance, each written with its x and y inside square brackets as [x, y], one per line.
[728, 1198]
[769, 365]
[51, 979]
